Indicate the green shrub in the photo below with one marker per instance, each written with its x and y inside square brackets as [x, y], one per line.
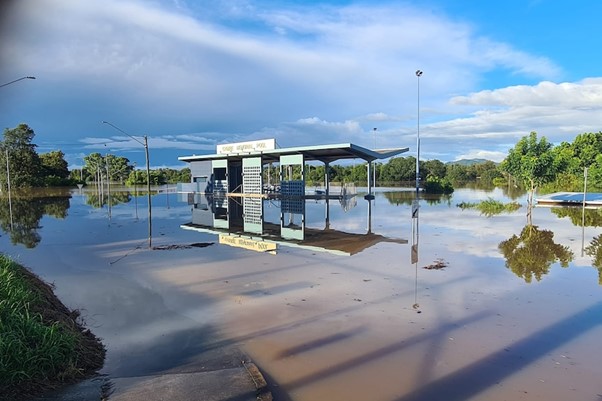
[436, 185]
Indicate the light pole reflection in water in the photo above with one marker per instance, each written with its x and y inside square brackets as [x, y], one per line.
[136, 191]
[414, 256]
[374, 162]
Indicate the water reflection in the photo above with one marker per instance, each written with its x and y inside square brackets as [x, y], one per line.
[595, 251]
[248, 223]
[398, 198]
[22, 220]
[97, 200]
[579, 216]
[531, 254]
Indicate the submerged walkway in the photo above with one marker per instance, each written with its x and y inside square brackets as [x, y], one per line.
[241, 383]
[571, 198]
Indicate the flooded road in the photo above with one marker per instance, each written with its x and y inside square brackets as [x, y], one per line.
[516, 313]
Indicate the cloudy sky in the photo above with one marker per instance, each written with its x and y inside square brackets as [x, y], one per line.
[190, 74]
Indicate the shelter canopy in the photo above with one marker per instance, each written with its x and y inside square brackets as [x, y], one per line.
[323, 153]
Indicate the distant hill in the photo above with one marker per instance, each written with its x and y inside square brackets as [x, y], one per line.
[469, 162]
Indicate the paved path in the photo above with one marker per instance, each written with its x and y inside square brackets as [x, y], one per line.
[242, 383]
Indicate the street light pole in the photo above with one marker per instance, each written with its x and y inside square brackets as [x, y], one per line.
[150, 220]
[7, 163]
[16, 80]
[418, 75]
[145, 144]
[10, 203]
[374, 164]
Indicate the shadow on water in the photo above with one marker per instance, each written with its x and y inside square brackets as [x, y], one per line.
[382, 352]
[490, 370]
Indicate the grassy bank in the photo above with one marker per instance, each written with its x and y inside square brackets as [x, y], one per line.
[42, 345]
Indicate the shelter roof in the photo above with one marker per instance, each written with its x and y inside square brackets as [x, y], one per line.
[323, 153]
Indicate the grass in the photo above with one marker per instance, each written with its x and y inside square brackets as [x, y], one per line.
[491, 207]
[41, 344]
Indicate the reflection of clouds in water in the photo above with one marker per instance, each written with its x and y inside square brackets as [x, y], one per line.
[467, 231]
[442, 224]
[459, 227]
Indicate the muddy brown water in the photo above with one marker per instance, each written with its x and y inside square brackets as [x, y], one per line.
[514, 315]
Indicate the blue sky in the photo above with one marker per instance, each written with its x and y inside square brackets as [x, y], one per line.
[192, 74]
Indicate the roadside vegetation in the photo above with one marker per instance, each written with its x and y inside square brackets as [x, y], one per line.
[42, 344]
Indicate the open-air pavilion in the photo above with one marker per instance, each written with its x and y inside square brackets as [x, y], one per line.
[227, 189]
[236, 169]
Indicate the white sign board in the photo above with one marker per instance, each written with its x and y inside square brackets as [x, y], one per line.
[246, 147]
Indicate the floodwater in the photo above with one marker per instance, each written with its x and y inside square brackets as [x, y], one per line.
[515, 314]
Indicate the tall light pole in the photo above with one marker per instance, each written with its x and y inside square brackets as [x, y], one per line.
[418, 75]
[145, 144]
[416, 204]
[374, 166]
[16, 80]
[7, 163]
[10, 203]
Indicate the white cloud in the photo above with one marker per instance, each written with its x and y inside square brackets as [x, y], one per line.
[124, 143]
[586, 94]
[193, 75]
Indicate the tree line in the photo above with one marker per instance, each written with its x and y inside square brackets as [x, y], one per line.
[532, 163]
[22, 165]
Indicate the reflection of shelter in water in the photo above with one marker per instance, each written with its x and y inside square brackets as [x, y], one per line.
[228, 190]
[207, 216]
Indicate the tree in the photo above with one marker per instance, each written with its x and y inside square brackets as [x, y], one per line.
[487, 171]
[93, 163]
[457, 173]
[532, 163]
[434, 168]
[55, 169]
[118, 167]
[54, 164]
[586, 147]
[399, 169]
[23, 160]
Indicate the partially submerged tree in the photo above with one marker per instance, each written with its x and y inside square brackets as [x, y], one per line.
[23, 161]
[532, 163]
